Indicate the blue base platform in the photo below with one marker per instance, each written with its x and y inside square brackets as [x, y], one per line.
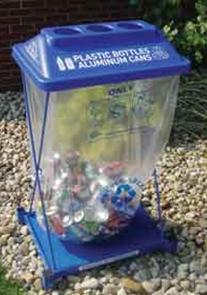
[141, 237]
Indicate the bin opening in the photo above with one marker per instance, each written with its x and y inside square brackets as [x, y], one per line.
[99, 28]
[130, 26]
[67, 31]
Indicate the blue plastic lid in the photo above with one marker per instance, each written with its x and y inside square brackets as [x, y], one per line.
[67, 57]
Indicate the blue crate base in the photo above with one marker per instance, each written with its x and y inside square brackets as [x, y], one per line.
[141, 237]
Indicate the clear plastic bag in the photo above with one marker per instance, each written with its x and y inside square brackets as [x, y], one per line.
[101, 144]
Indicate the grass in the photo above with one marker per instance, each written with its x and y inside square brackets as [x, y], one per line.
[191, 115]
[7, 287]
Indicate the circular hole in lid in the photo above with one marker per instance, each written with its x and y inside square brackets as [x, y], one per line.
[66, 31]
[130, 26]
[98, 28]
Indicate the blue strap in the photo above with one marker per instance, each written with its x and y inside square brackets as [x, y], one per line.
[37, 164]
[157, 191]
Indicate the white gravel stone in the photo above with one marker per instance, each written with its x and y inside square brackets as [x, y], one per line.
[192, 277]
[109, 289]
[121, 292]
[37, 284]
[172, 291]
[195, 267]
[24, 230]
[142, 275]
[165, 284]
[185, 284]
[201, 288]
[91, 283]
[28, 277]
[152, 285]
[183, 270]
[103, 280]
[159, 292]
[77, 286]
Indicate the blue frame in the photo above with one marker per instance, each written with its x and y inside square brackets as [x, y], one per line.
[62, 258]
[142, 236]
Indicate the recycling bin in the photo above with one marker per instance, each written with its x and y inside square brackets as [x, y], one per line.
[100, 100]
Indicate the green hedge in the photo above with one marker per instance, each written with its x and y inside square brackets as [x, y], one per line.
[184, 22]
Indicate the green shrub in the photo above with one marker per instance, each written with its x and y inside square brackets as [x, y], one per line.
[183, 21]
[191, 36]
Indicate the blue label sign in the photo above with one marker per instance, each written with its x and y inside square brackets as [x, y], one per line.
[111, 58]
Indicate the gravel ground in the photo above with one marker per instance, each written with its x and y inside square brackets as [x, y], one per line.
[183, 170]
